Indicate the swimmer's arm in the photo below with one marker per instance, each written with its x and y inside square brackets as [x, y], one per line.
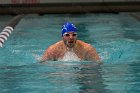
[46, 56]
[43, 59]
[92, 55]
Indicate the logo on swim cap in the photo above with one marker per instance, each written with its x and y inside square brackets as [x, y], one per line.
[68, 27]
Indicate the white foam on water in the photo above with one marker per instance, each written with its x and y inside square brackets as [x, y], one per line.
[37, 57]
[70, 56]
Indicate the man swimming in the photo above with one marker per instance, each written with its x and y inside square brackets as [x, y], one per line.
[69, 48]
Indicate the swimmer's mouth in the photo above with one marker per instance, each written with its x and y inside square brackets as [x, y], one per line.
[70, 41]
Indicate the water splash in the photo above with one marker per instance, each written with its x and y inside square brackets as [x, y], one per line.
[37, 57]
[70, 56]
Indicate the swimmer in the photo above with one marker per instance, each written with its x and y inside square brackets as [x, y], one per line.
[70, 48]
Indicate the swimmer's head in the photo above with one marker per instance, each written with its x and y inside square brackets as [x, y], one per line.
[68, 27]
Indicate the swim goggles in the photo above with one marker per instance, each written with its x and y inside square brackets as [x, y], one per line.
[67, 34]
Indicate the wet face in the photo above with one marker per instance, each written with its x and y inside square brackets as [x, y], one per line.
[70, 39]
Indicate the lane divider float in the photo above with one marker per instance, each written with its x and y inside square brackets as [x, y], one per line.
[5, 33]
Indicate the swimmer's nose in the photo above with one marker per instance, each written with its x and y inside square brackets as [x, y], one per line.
[71, 36]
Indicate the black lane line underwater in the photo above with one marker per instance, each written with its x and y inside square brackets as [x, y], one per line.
[9, 29]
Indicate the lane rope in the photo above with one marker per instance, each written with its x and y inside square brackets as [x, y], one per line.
[5, 33]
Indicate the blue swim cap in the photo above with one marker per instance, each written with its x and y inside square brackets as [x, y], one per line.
[68, 27]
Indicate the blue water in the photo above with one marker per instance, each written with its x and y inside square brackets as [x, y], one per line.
[116, 38]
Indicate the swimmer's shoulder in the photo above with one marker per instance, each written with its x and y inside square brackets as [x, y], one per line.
[83, 44]
[56, 46]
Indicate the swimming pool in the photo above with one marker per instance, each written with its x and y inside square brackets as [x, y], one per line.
[115, 36]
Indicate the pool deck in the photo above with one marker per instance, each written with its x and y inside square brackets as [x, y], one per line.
[76, 7]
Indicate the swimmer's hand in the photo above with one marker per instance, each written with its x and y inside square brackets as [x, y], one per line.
[39, 58]
[42, 61]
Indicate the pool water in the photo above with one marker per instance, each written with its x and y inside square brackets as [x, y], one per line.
[116, 38]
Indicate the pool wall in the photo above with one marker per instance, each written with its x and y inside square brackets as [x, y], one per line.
[67, 6]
